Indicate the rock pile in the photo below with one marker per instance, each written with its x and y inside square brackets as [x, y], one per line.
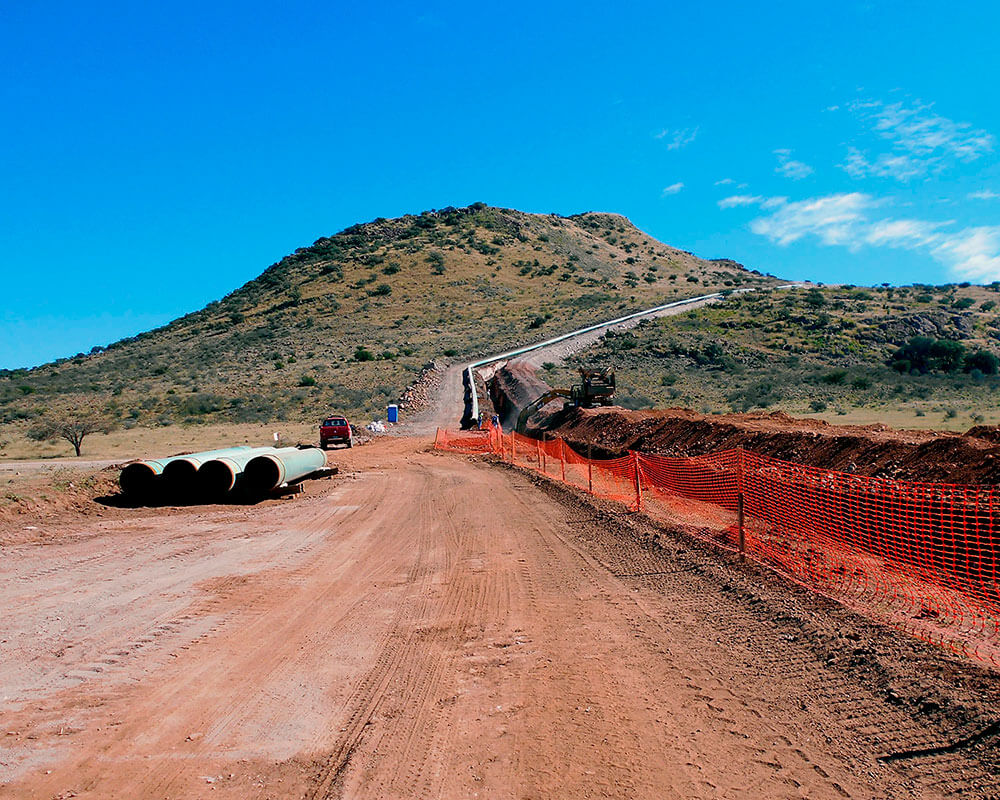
[418, 396]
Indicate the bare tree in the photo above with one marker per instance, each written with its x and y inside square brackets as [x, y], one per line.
[71, 427]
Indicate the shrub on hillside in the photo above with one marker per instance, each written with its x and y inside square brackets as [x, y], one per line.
[984, 361]
[923, 354]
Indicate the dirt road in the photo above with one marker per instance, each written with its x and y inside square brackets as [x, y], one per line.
[427, 626]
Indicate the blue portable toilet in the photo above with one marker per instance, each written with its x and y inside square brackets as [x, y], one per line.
[392, 413]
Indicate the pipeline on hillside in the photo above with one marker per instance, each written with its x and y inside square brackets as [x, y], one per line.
[470, 412]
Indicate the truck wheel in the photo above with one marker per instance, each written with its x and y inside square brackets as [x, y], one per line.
[350, 443]
[322, 445]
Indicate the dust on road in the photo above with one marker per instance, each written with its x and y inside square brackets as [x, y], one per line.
[422, 626]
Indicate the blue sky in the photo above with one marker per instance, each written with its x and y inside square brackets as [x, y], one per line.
[153, 157]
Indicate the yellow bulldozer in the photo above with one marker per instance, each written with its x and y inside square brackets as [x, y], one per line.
[597, 388]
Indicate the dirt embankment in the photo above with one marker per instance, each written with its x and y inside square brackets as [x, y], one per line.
[874, 450]
[513, 386]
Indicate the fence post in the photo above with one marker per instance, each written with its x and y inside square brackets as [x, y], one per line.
[739, 470]
[541, 449]
[638, 483]
[562, 452]
[590, 468]
[513, 459]
[741, 536]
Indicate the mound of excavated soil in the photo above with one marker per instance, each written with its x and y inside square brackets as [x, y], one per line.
[874, 450]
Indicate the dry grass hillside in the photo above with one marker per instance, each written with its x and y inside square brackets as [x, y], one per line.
[829, 352]
[350, 321]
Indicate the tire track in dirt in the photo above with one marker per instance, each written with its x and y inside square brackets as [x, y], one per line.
[432, 626]
[697, 707]
[835, 700]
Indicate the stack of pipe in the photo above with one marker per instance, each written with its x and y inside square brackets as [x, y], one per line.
[142, 479]
[212, 475]
[268, 471]
[221, 475]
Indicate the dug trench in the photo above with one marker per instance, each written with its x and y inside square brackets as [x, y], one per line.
[871, 450]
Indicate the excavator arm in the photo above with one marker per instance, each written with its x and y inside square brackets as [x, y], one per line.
[534, 405]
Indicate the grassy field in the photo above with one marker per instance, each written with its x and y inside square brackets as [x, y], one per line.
[821, 352]
[124, 445]
[349, 322]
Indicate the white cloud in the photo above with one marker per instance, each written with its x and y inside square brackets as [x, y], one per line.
[833, 219]
[725, 182]
[983, 194]
[921, 142]
[907, 233]
[848, 220]
[789, 167]
[973, 253]
[736, 200]
[740, 200]
[900, 166]
[673, 188]
[678, 138]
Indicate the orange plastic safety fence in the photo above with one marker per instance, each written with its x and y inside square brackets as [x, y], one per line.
[472, 441]
[922, 557]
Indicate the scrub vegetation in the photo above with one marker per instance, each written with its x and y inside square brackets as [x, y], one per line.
[914, 356]
[349, 322]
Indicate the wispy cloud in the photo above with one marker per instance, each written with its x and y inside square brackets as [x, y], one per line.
[907, 233]
[737, 200]
[900, 166]
[832, 219]
[725, 182]
[850, 220]
[983, 194]
[673, 188]
[973, 253]
[678, 138]
[921, 141]
[790, 168]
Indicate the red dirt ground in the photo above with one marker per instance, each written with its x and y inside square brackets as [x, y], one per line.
[426, 625]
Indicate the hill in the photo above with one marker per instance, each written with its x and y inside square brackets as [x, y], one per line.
[912, 356]
[350, 321]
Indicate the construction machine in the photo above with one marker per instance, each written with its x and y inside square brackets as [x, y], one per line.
[596, 389]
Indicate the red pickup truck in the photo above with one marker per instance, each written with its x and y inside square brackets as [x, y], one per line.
[335, 430]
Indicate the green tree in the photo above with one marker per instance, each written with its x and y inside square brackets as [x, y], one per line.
[71, 427]
[925, 354]
[983, 360]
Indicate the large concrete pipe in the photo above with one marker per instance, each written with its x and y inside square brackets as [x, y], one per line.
[219, 476]
[179, 473]
[139, 479]
[268, 471]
